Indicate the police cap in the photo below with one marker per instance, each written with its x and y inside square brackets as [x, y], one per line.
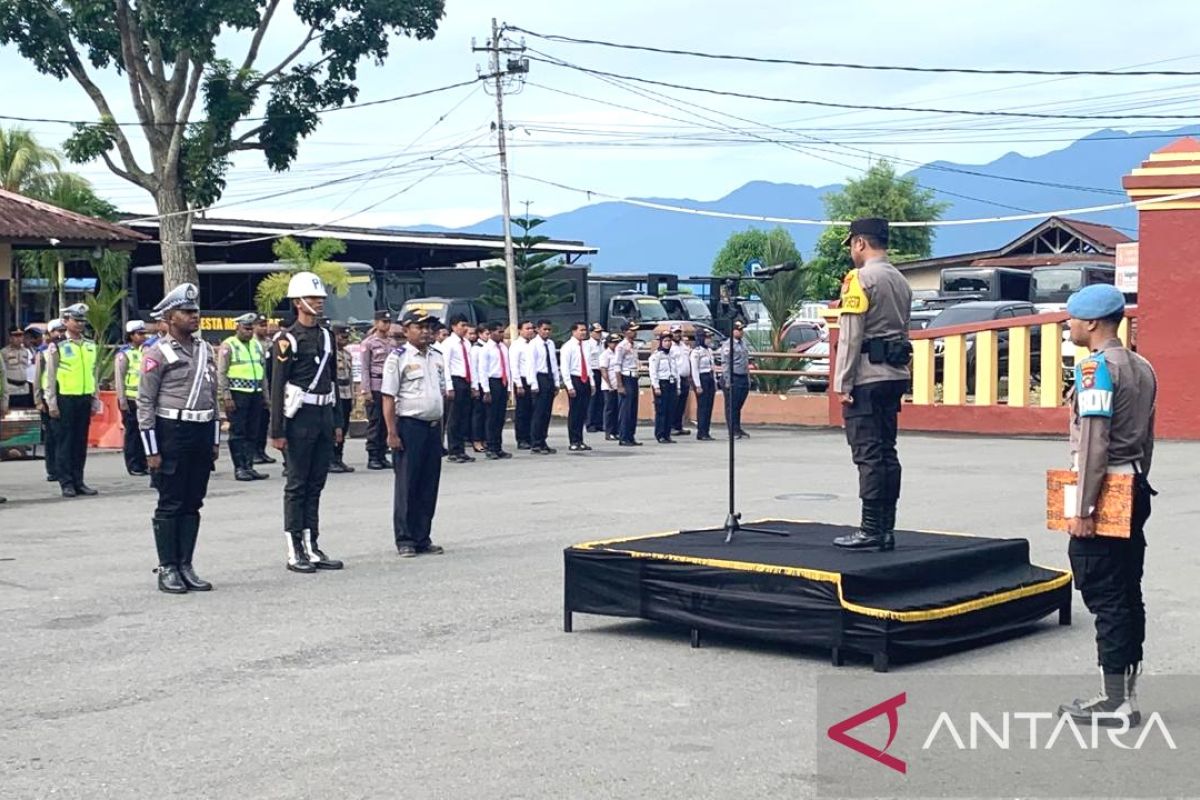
[135, 326]
[55, 325]
[339, 327]
[33, 331]
[76, 312]
[868, 226]
[247, 319]
[384, 315]
[1097, 301]
[183, 297]
[613, 338]
[417, 317]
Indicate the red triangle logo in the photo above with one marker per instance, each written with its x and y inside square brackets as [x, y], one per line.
[838, 732]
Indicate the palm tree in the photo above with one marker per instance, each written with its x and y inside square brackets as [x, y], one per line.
[25, 165]
[294, 258]
[780, 296]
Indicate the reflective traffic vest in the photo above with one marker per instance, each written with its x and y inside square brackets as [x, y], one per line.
[245, 364]
[76, 367]
[133, 370]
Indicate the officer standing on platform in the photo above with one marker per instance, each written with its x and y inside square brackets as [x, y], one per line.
[735, 378]
[681, 354]
[576, 372]
[240, 378]
[181, 434]
[412, 405]
[71, 398]
[1112, 432]
[345, 396]
[55, 330]
[701, 364]
[262, 334]
[495, 378]
[303, 380]
[625, 364]
[128, 372]
[665, 383]
[373, 350]
[593, 348]
[871, 377]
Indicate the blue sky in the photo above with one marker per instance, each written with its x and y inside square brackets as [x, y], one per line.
[635, 151]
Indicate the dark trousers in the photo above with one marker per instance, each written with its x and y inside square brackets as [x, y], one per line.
[628, 409]
[243, 427]
[578, 409]
[495, 415]
[681, 398]
[309, 450]
[50, 444]
[664, 409]
[418, 473]
[523, 417]
[612, 405]
[871, 432]
[704, 403]
[595, 417]
[135, 455]
[459, 426]
[479, 418]
[1108, 574]
[376, 429]
[21, 400]
[74, 417]
[341, 419]
[187, 456]
[543, 403]
[733, 414]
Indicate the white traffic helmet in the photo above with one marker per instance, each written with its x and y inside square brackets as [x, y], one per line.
[305, 284]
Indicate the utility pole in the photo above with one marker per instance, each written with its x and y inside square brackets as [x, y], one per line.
[512, 67]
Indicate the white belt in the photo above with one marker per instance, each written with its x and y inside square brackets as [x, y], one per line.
[184, 415]
[319, 399]
[1112, 469]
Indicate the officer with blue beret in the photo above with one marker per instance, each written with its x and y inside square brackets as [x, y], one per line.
[1112, 432]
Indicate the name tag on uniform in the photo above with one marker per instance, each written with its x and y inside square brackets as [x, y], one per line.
[414, 370]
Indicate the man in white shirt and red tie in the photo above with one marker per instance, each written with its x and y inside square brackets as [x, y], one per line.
[545, 368]
[495, 376]
[460, 383]
[524, 383]
[577, 378]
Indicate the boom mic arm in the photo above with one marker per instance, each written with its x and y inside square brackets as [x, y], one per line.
[768, 272]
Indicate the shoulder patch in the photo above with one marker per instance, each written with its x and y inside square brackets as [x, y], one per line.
[1094, 387]
[853, 298]
[149, 364]
[283, 346]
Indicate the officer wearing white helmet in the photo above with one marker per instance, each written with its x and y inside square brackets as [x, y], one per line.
[303, 398]
[128, 373]
[71, 399]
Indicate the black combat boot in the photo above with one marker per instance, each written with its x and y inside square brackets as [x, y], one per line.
[189, 530]
[1114, 707]
[297, 560]
[869, 535]
[887, 525]
[317, 558]
[166, 541]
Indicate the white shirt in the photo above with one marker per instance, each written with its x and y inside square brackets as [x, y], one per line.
[457, 353]
[662, 368]
[522, 363]
[681, 354]
[474, 352]
[625, 359]
[608, 376]
[593, 350]
[574, 361]
[544, 359]
[702, 362]
[415, 380]
[494, 362]
[18, 362]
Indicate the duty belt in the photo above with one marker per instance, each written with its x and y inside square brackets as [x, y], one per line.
[319, 399]
[184, 415]
[244, 385]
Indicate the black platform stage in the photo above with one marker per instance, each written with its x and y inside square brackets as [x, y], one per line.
[934, 593]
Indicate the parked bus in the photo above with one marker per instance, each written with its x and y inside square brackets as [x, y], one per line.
[227, 292]
[1051, 286]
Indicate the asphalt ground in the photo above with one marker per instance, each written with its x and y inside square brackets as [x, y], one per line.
[449, 676]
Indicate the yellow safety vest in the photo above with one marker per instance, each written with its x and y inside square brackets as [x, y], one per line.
[76, 367]
[245, 365]
[133, 371]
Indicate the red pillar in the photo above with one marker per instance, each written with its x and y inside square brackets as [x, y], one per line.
[1169, 280]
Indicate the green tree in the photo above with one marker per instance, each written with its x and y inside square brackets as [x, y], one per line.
[104, 309]
[26, 167]
[316, 259]
[879, 192]
[537, 288]
[752, 243]
[781, 296]
[167, 53]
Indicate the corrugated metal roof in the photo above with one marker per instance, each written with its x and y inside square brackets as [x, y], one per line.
[27, 221]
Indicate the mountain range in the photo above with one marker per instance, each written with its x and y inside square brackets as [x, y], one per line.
[1084, 174]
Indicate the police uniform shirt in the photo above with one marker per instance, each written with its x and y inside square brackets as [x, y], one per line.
[17, 363]
[305, 357]
[875, 304]
[608, 376]
[457, 352]
[662, 368]
[1112, 417]
[415, 380]
[121, 371]
[373, 351]
[39, 370]
[522, 362]
[681, 354]
[53, 357]
[544, 360]
[178, 376]
[345, 375]
[574, 362]
[625, 358]
[701, 362]
[226, 357]
[736, 356]
[494, 362]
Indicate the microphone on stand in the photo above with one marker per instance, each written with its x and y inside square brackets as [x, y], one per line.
[767, 272]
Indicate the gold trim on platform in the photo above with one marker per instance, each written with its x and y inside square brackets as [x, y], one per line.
[923, 615]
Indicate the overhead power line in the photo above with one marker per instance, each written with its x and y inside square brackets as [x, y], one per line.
[859, 106]
[551, 37]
